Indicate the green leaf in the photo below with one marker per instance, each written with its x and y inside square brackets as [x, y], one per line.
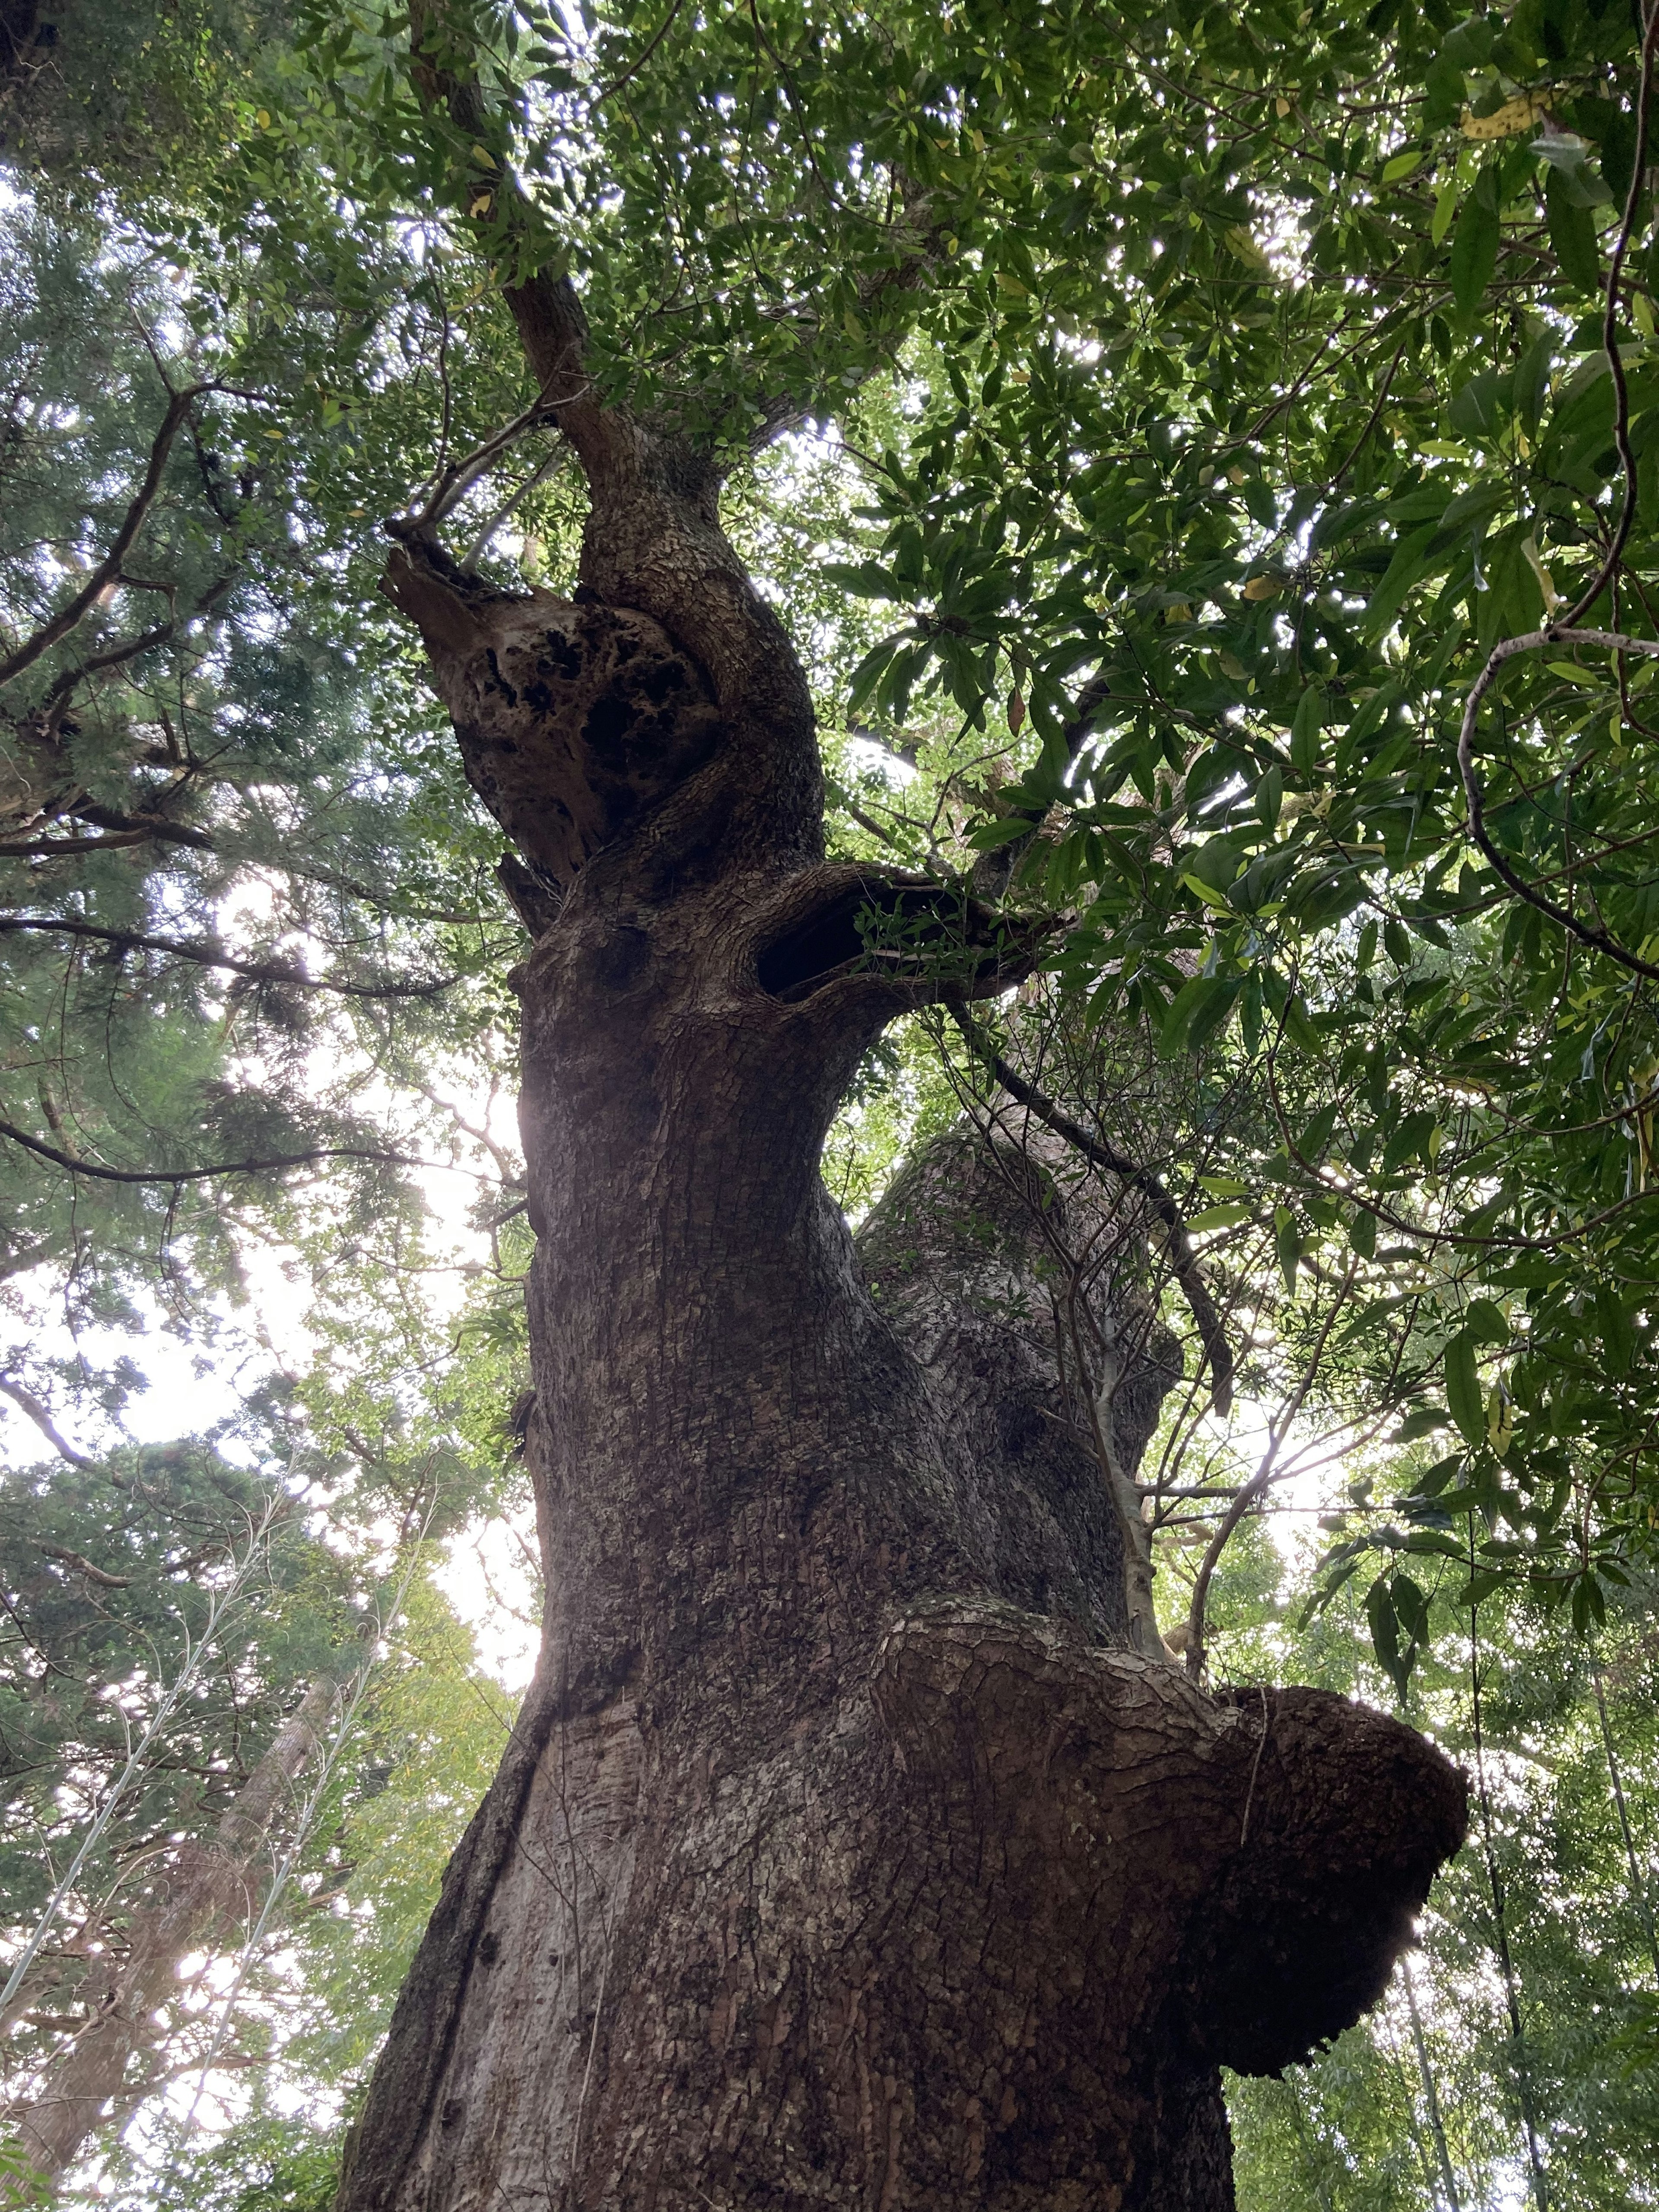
[1474, 253]
[1316, 1136]
[1478, 409]
[1217, 1216]
[1410, 563]
[1362, 1233]
[986, 836]
[1385, 1635]
[1573, 235]
[1618, 1337]
[1463, 1393]
[1204, 995]
[1410, 1140]
[1304, 731]
[1487, 1321]
[1270, 798]
[1287, 1242]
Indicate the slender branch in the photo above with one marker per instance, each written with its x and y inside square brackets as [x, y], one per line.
[1183, 1260]
[1590, 933]
[108, 570]
[1638, 1887]
[173, 1175]
[78, 1563]
[206, 955]
[1255, 1488]
[634, 67]
[548, 310]
[1638, 179]
[26, 1402]
[1565, 632]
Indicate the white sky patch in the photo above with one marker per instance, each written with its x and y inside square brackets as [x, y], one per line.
[492, 1580]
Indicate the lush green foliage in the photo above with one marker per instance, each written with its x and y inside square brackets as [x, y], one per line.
[1548, 1906]
[168, 1585]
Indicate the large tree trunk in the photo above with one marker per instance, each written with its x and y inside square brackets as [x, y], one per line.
[845, 1852]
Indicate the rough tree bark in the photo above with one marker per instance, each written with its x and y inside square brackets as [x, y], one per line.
[845, 1853]
[204, 1888]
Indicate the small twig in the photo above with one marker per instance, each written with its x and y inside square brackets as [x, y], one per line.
[634, 67]
[1638, 178]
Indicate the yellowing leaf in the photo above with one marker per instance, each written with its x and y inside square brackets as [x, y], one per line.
[482, 153]
[263, 119]
[481, 205]
[1263, 587]
[1008, 283]
[1546, 581]
[1514, 116]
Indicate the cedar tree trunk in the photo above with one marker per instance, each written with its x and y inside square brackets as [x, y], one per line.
[846, 1853]
[205, 1887]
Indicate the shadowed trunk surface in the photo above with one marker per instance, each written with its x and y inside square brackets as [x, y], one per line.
[846, 1853]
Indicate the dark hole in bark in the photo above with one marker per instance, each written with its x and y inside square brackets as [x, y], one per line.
[900, 926]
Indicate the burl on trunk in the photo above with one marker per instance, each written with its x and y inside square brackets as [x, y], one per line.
[846, 1853]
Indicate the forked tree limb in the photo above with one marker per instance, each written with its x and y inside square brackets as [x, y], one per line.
[108, 570]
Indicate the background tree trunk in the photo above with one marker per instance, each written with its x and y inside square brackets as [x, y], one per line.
[845, 1853]
[207, 1886]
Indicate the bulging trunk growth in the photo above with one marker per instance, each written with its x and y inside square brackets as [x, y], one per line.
[854, 1846]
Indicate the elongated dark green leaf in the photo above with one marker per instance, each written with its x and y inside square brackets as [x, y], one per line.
[1463, 1394]
[1618, 1337]
[1473, 252]
[1573, 236]
[1210, 995]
